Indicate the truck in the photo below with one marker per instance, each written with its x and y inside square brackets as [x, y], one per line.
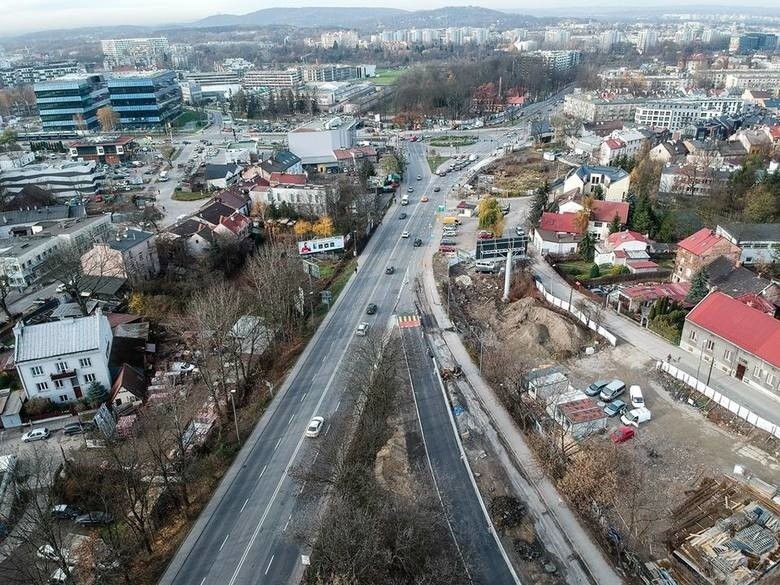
[163, 176]
[405, 200]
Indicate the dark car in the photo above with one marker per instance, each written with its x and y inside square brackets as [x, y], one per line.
[77, 428]
[65, 512]
[94, 519]
[596, 388]
[436, 189]
[402, 216]
[390, 270]
[614, 408]
[371, 309]
[417, 242]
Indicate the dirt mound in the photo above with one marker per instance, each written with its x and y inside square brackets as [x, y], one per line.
[391, 467]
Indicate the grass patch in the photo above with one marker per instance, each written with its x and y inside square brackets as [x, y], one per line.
[189, 195]
[435, 162]
[576, 267]
[188, 116]
[341, 280]
[453, 140]
[387, 76]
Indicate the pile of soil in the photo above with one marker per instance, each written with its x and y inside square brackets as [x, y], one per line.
[391, 467]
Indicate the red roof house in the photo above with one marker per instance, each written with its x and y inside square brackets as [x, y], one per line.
[698, 250]
[286, 179]
[607, 210]
[559, 222]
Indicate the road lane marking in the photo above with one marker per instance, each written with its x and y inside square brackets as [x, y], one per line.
[337, 405]
[224, 541]
[326, 430]
[277, 443]
[287, 523]
[269, 564]
[289, 422]
[262, 472]
[304, 396]
[303, 485]
[204, 580]
[245, 503]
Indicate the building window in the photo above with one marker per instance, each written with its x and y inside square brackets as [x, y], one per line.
[62, 366]
[692, 335]
[63, 397]
[42, 386]
[770, 379]
[88, 378]
[59, 383]
[85, 363]
[758, 372]
[709, 345]
[727, 355]
[36, 371]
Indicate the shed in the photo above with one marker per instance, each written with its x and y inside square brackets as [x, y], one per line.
[545, 383]
[580, 417]
[10, 408]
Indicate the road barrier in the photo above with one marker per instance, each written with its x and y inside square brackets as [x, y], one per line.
[585, 319]
[725, 402]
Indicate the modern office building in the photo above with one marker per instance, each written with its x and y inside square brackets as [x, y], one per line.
[676, 114]
[145, 98]
[752, 43]
[139, 51]
[36, 73]
[71, 102]
[273, 79]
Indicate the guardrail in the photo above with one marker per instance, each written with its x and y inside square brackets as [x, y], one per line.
[579, 315]
[724, 401]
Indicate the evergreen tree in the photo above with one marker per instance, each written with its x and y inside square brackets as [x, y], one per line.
[700, 286]
[594, 271]
[97, 394]
[614, 225]
[587, 246]
[539, 204]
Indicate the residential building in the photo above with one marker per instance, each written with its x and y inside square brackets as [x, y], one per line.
[676, 114]
[305, 199]
[698, 250]
[273, 79]
[219, 176]
[557, 38]
[59, 360]
[669, 151]
[281, 161]
[767, 80]
[560, 60]
[634, 298]
[197, 236]
[759, 242]
[314, 143]
[692, 178]
[612, 181]
[63, 179]
[593, 109]
[752, 43]
[340, 38]
[111, 150]
[626, 143]
[131, 254]
[326, 73]
[23, 259]
[557, 234]
[729, 277]
[129, 387]
[71, 102]
[602, 214]
[139, 51]
[736, 338]
[38, 72]
[648, 39]
[626, 248]
[145, 98]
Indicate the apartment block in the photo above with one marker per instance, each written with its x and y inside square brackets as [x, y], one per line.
[590, 108]
[677, 114]
[32, 74]
[144, 51]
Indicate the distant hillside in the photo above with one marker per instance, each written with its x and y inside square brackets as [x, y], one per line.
[368, 18]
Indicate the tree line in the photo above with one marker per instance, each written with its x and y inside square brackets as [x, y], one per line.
[255, 106]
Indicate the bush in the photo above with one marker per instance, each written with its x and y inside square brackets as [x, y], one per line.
[594, 271]
[36, 406]
[619, 269]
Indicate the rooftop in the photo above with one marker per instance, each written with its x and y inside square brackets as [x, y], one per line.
[607, 210]
[614, 173]
[700, 242]
[58, 338]
[752, 232]
[559, 222]
[580, 411]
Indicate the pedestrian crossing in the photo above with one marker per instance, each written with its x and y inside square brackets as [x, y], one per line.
[408, 321]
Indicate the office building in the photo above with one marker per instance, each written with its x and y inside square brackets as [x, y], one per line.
[31, 74]
[325, 73]
[752, 43]
[140, 51]
[64, 179]
[315, 142]
[273, 79]
[145, 98]
[676, 114]
[71, 102]
[191, 92]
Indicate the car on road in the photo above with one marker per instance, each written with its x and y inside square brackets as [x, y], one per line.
[65, 512]
[612, 390]
[614, 408]
[622, 434]
[390, 270]
[596, 388]
[94, 519]
[419, 177]
[417, 242]
[77, 428]
[410, 190]
[436, 189]
[424, 199]
[362, 329]
[35, 435]
[404, 234]
[402, 216]
[315, 426]
[371, 308]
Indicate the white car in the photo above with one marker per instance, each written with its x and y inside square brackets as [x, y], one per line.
[404, 234]
[635, 394]
[315, 426]
[182, 367]
[35, 435]
[362, 329]
[48, 553]
[61, 288]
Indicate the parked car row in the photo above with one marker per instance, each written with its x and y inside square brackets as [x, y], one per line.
[609, 392]
[43, 433]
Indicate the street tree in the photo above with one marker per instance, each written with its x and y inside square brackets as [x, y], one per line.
[539, 204]
[108, 119]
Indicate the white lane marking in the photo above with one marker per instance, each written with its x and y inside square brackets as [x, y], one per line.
[326, 430]
[269, 564]
[337, 405]
[287, 523]
[277, 443]
[204, 580]
[303, 485]
[304, 396]
[262, 472]
[289, 422]
[245, 503]
[224, 541]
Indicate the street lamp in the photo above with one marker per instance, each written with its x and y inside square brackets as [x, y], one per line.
[235, 418]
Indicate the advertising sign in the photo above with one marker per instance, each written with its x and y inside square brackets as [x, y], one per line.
[321, 245]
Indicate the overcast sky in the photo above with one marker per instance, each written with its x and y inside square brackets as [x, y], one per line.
[20, 16]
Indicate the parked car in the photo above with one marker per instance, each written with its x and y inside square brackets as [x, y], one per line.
[484, 235]
[635, 394]
[48, 553]
[436, 189]
[182, 367]
[362, 329]
[402, 216]
[315, 426]
[622, 434]
[519, 232]
[77, 428]
[371, 308]
[35, 435]
[596, 388]
[612, 390]
[614, 408]
[404, 234]
[636, 416]
[419, 177]
[65, 512]
[94, 519]
[424, 199]
[417, 242]
[390, 270]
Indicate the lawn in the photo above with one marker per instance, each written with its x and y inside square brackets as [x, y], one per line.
[576, 268]
[435, 162]
[387, 76]
[447, 140]
[188, 116]
[189, 195]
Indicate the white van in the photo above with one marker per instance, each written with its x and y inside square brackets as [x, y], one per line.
[486, 266]
[636, 416]
[635, 394]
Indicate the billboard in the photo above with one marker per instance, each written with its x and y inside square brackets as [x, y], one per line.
[498, 247]
[321, 245]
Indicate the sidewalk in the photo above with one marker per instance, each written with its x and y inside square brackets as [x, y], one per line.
[560, 527]
[654, 346]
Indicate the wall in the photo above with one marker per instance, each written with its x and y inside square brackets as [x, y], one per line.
[579, 315]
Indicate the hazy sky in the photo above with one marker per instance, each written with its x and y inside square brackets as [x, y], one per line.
[20, 16]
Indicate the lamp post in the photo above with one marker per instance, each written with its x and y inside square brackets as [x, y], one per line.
[235, 417]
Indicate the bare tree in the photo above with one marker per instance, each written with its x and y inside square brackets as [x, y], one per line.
[107, 118]
[5, 290]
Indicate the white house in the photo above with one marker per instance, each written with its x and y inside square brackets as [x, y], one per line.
[626, 248]
[58, 360]
[627, 142]
[557, 234]
[760, 242]
[614, 182]
[602, 214]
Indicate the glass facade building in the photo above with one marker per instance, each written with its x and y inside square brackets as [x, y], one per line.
[71, 102]
[145, 98]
